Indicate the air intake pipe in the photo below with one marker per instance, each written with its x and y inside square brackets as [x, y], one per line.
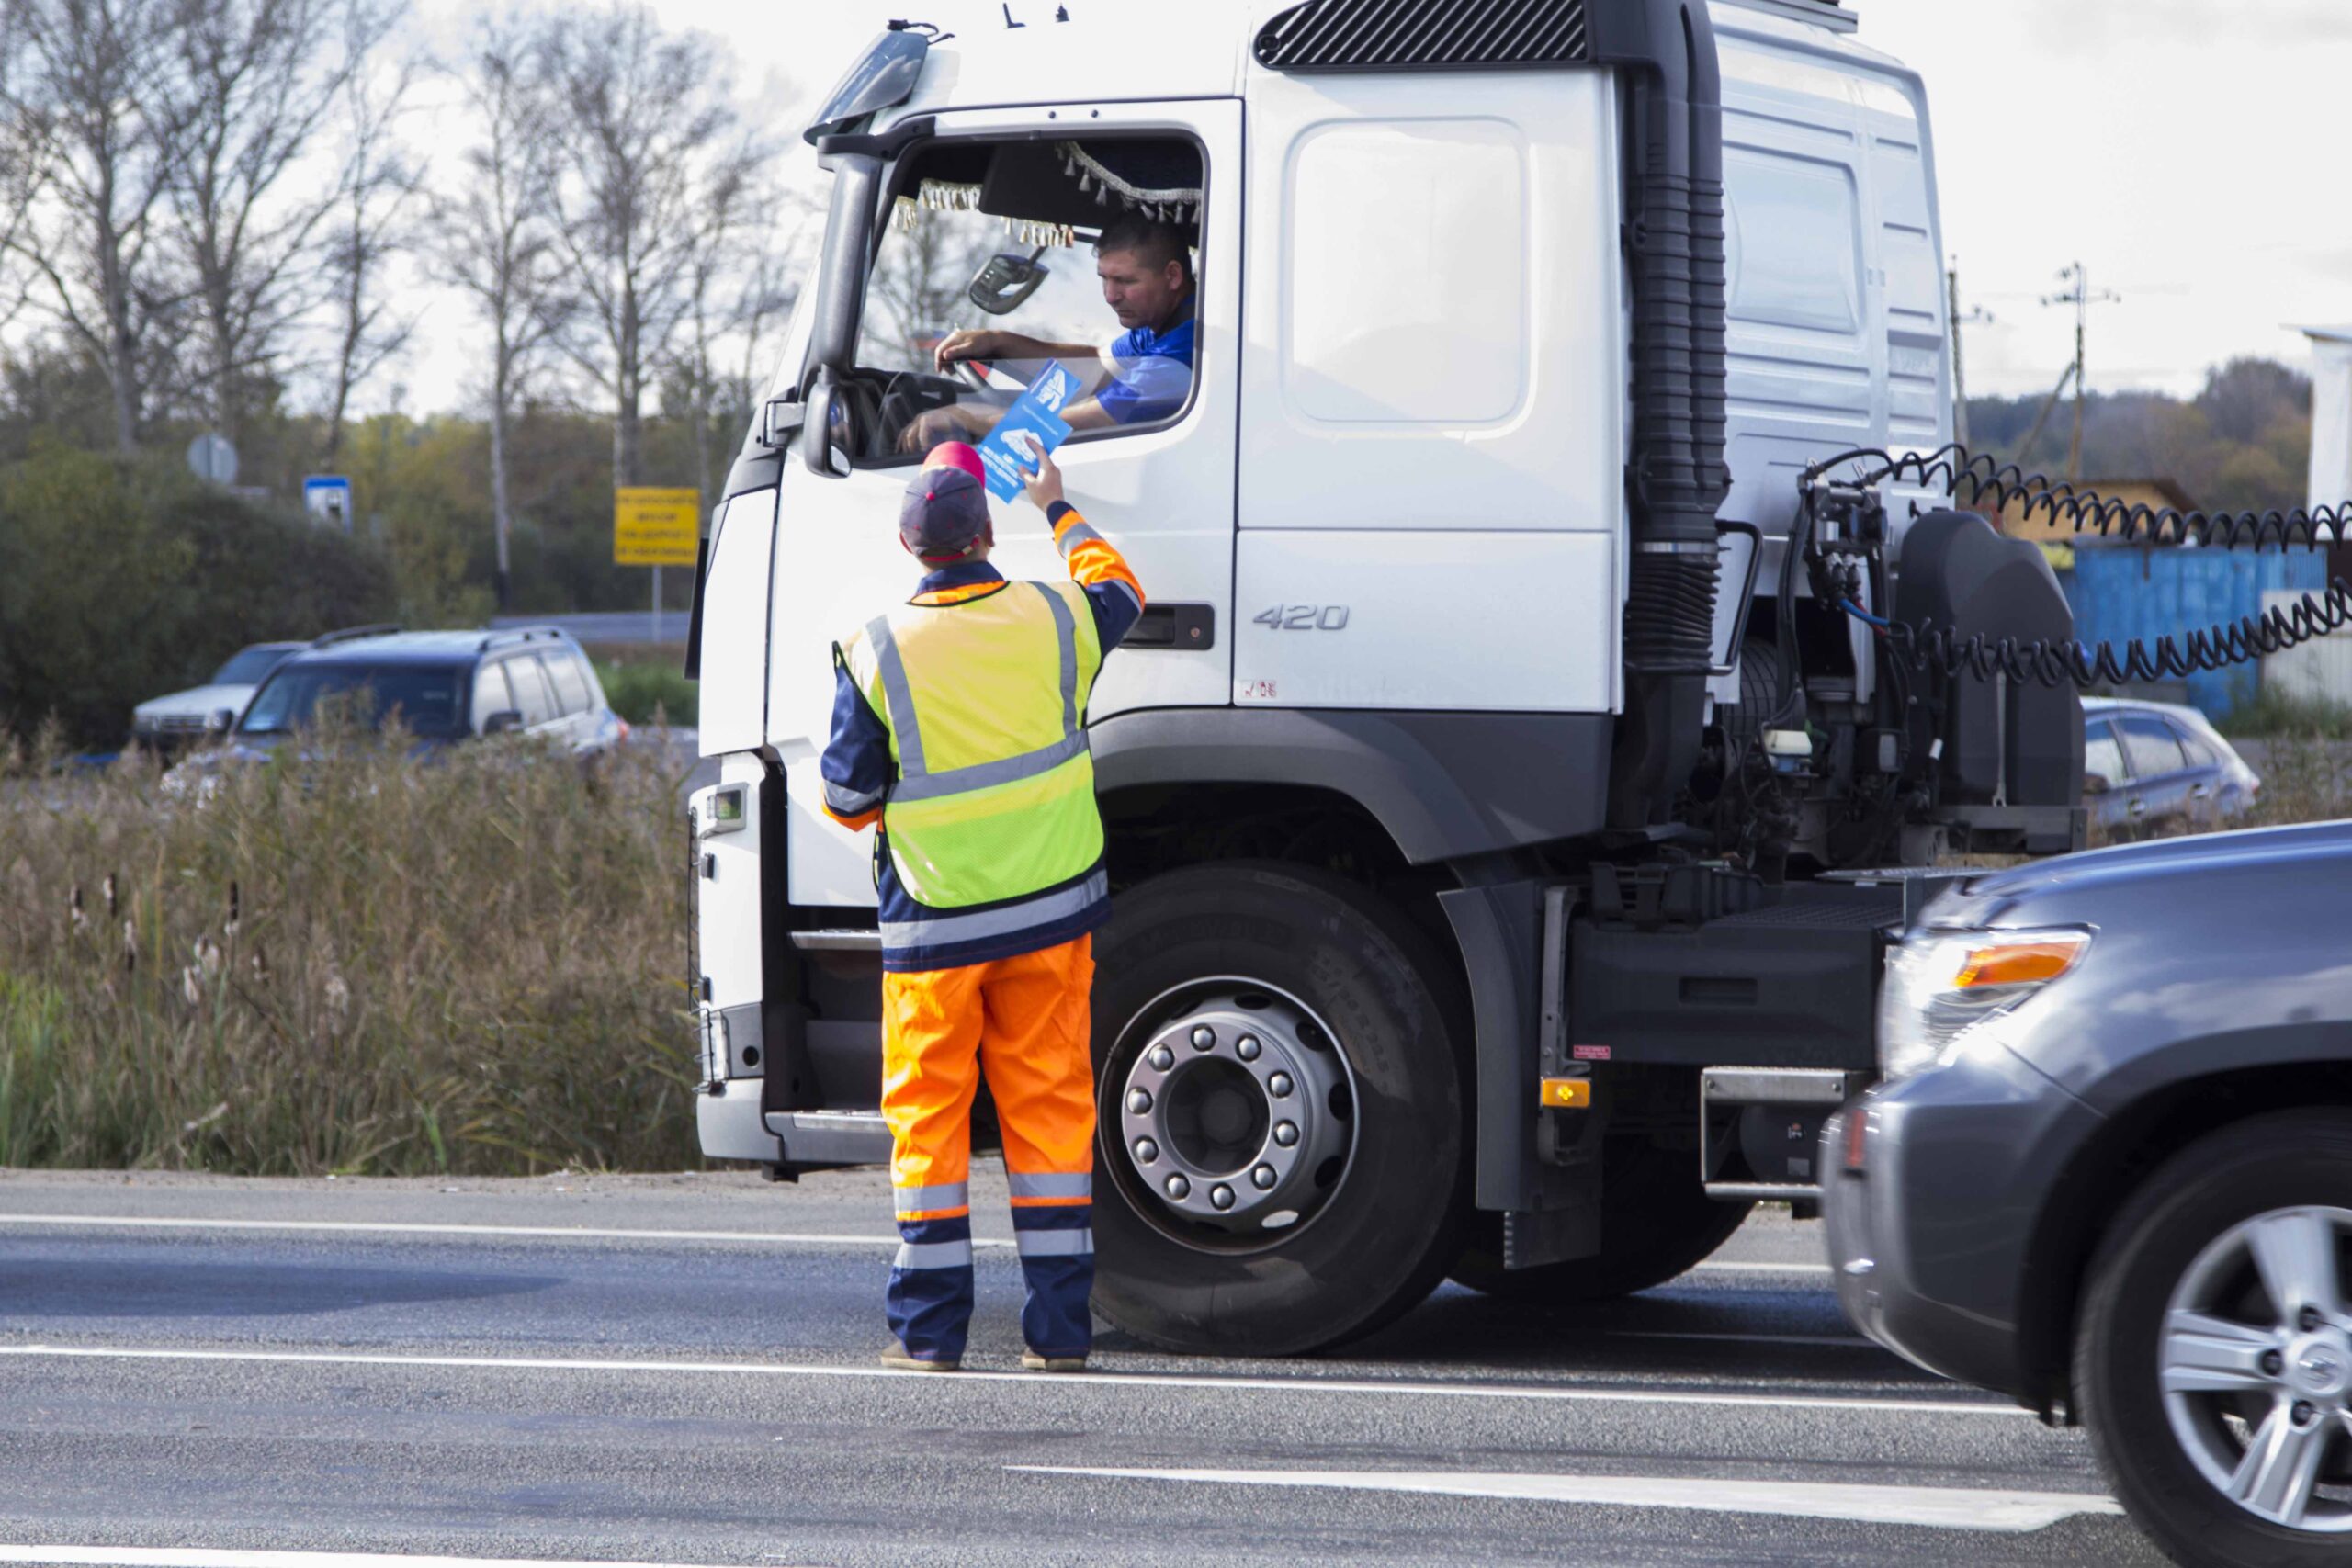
[1674, 252]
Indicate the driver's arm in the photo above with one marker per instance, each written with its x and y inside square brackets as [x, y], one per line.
[971, 342]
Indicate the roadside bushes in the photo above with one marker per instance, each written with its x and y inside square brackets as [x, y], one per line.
[649, 690]
[119, 583]
[347, 960]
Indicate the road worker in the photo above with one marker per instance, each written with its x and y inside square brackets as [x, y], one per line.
[959, 727]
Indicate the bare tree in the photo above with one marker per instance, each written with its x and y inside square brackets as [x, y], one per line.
[494, 235]
[258, 80]
[649, 134]
[371, 226]
[737, 289]
[91, 110]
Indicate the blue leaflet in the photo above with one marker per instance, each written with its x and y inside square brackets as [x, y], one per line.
[1033, 424]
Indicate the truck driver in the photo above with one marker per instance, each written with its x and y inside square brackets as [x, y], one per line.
[1146, 274]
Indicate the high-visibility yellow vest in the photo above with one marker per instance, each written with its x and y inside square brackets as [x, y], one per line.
[985, 701]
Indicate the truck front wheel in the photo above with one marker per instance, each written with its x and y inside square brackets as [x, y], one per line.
[1279, 1161]
[1656, 1222]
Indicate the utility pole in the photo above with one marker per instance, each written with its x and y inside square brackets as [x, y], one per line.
[1977, 316]
[2078, 294]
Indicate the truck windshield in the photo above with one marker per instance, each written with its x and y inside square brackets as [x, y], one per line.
[425, 699]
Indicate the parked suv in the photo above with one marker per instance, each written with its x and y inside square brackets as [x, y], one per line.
[447, 687]
[2109, 1170]
[2158, 768]
[176, 719]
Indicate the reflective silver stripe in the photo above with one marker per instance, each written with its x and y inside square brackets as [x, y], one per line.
[1055, 1244]
[937, 1254]
[986, 923]
[923, 1200]
[897, 695]
[1078, 533]
[847, 801]
[1051, 1184]
[1068, 630]
[981, 775]
[1124, 586]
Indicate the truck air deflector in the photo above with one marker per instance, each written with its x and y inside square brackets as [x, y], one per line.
[883, 77]
[1424, 35]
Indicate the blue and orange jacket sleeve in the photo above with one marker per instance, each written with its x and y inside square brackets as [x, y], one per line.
[856, 763]
[1096, 565]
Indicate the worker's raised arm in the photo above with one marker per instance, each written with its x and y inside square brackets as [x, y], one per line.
[856, 763]
[1095, 563]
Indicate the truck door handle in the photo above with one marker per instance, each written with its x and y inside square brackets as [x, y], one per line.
[1192, 628]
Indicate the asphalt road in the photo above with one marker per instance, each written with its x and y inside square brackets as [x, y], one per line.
[680, 1369]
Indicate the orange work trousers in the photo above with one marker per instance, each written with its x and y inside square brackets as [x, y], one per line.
[1025, 1022]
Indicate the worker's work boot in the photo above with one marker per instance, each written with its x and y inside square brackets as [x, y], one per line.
[905, 1361]
[1033, 1361]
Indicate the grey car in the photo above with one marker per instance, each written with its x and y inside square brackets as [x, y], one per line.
[2107, 1170]
[2160, 768]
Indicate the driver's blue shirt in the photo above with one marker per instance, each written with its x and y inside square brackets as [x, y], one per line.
[1151, 371]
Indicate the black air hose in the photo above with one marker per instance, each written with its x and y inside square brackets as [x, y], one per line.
[1971, 479]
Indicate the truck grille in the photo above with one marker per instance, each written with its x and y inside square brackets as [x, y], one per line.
[1423, 35]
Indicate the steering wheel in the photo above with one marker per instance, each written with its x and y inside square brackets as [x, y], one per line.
[968, 372]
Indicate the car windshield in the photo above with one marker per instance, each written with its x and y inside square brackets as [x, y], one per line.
[247, 665]
[426, 699]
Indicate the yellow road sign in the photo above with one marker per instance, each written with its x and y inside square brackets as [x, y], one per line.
[655, 528]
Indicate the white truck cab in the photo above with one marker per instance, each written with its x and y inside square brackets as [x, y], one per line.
[1505, 751]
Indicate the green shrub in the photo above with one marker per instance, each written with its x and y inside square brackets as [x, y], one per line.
[346, 961]
[650, 692]
[120, 583]
[2272, 711]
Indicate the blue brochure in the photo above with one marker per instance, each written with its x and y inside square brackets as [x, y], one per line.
[1031, 428]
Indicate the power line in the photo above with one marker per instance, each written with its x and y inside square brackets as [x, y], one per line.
[2080, 294]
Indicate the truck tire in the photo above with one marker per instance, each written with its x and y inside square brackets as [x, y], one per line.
[1280, 1163]
[1656, 1222]
[2183, 1298]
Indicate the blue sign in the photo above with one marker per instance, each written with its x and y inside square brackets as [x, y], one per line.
[1031, 428]
[327, 497]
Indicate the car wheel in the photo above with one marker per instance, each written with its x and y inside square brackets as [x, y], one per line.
[1281, 1159]
[1656, 1223]
[2214, 1353]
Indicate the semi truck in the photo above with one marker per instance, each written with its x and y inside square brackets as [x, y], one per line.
[1510, 790]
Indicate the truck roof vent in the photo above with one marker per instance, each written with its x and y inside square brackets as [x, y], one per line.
[1424, 35]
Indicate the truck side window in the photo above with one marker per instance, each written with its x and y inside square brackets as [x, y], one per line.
[1004, 257]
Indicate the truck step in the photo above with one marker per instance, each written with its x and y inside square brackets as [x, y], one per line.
[842, 938]
[832, 1137]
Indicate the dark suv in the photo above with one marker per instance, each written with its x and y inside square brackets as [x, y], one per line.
[2109, 1170]
[446, 687]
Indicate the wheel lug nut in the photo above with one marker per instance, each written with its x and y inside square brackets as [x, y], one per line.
[1279, 1086]
[1179, 1188]
[1262, 1177]
[1162, 1058]
[1246, 1047]
[2309, 1319]
[1204, 1037]
[1221, 1196]
[2273, 1363]
[1146, 1151]
[2305, 1413]
[1138, 1100]
[1286, 1132]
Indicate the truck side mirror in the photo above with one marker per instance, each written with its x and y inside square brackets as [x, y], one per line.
[819, 436]
[505, 721]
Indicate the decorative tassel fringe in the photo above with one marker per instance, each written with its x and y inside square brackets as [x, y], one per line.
[1173, 206]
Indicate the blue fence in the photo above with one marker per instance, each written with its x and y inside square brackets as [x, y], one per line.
[2121, 592]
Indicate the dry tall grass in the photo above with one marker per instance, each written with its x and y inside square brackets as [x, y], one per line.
[349, 961]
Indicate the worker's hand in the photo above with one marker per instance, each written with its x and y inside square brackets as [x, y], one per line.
[1043, 485]
[966, 343]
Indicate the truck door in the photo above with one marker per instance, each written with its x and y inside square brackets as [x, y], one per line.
[1014, 182]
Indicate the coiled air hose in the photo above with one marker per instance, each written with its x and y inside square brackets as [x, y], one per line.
[1972, 480]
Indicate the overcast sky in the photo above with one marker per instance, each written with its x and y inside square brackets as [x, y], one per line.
[2191, 153]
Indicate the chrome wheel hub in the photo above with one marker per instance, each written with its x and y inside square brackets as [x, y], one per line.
[1237, 1113]
[2255, 1365]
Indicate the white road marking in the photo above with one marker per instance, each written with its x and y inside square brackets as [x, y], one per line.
[1841, 1341]
[200, 1557]
[1943, 1507]
[394, 1227]
[1286, 1385]
[586, 1233]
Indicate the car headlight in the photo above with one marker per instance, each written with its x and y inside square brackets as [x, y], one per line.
[1941, 984]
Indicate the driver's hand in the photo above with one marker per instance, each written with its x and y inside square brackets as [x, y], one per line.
[1044, 486]
[964, 342]
[931, 426]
